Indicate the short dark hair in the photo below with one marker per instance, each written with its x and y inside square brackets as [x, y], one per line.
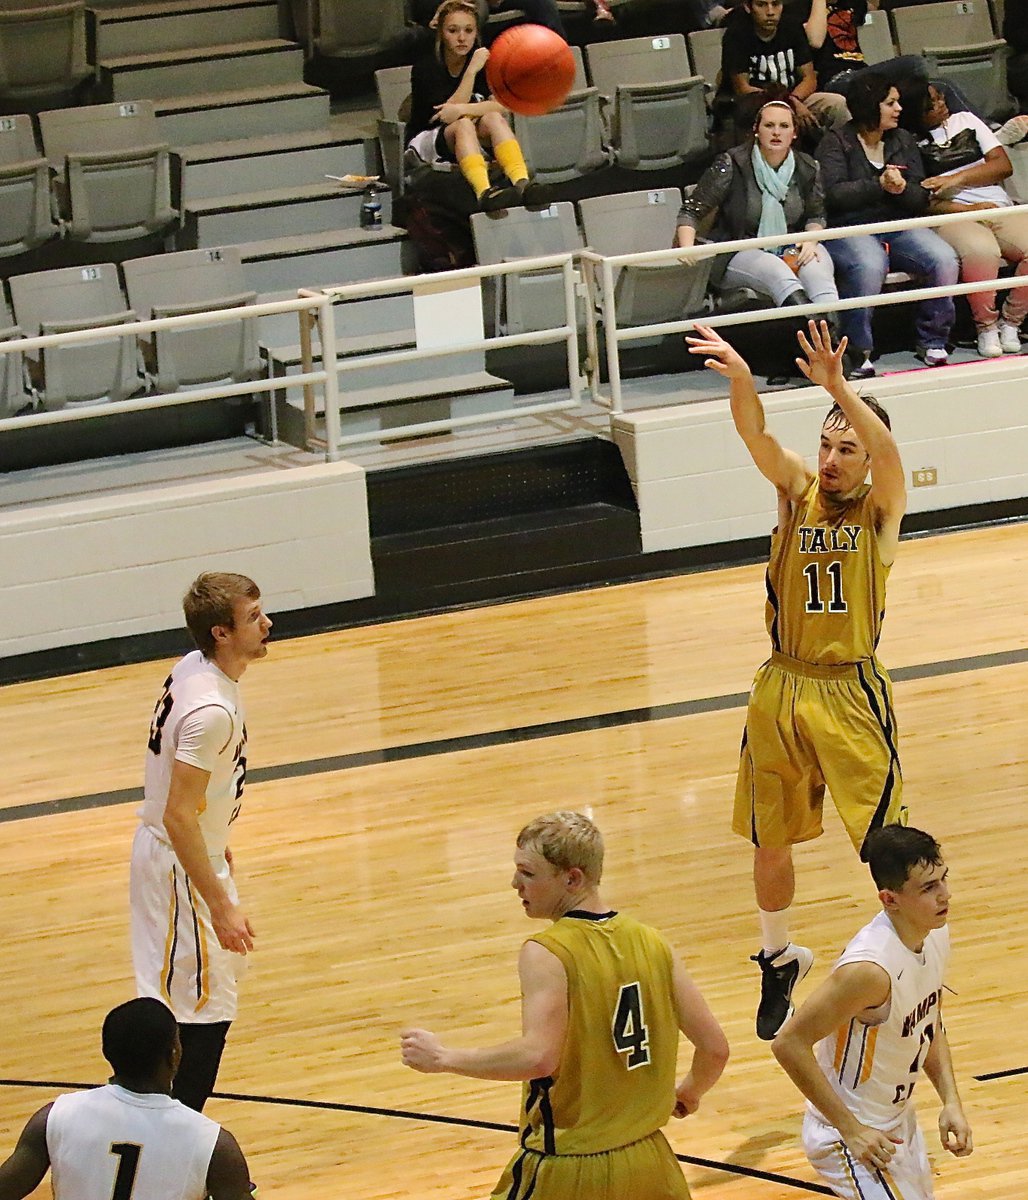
[864, 97]
[835, 416]
[138, 1037]
[211, 601]
[894, 850]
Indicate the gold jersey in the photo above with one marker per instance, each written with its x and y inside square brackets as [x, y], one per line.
[617, 1074]
[826, 581]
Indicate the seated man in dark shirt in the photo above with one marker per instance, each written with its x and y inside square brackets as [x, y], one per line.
[764, 55]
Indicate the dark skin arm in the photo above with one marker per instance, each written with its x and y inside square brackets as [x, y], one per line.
[228, 1177]
[23, 1172]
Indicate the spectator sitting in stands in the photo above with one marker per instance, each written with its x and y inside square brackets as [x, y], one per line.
[764, 56]
[452, 112]
[832, 30]
[761, 188]
[966, 163]
[872, 171]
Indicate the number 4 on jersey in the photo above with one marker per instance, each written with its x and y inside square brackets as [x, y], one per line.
[628, 1027]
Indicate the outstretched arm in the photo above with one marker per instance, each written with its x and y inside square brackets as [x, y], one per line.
[845, 994]
[954, 1130]
[24, 1170]
[784, 468]
[710, 1052]
[534, 1055]
[888, 486]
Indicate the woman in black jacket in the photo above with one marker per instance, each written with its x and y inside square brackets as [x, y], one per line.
[759, 189]
[871, 171]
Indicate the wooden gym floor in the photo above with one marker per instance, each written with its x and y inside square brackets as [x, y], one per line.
[391, 767]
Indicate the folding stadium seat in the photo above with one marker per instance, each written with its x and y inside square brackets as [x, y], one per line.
[42, 53]
[69, 299]
[194, 281]
[25, 219]
[959, 43]
[13, 393]
[634, 222]
[393, 87]
[659, 114]
[116, 183]
[705, 55]
[522, 303]
[942, 24]
[875, 37]
[349, 28]
[568, 142]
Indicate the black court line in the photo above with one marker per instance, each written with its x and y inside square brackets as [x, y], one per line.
[498, 737]
[441, 1119]
[1001, 1074]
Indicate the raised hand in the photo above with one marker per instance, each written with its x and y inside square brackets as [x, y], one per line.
[823, 365]
[721, 357]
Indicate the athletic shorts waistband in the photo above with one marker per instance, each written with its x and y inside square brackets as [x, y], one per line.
[796, 666]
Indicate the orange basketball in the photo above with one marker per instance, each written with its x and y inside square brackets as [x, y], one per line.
[530, 69]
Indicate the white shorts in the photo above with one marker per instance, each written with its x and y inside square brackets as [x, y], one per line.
[175, 953]
[908, 1177]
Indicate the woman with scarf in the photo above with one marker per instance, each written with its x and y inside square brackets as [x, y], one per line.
[760, 189]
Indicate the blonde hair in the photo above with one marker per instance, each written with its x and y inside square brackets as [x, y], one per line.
[566, 840]
[443, 11]
[211, 601]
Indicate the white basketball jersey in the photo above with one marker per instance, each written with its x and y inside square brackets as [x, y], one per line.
[873, 1066]
[112, 1144]
[198, 720]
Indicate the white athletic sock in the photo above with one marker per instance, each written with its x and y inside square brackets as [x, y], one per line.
[774, 930]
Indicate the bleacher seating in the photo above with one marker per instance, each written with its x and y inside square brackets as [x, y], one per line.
[942, 24]
[171, 285]
[114, 170]
[348, 29]
[14, 396]
[25, 218]
[634, 222]
[875, 38]
[658, 110]
[705, 55]
[522, 303]
[392, 85]
[73, 298]
[42, 54]
[980, 71]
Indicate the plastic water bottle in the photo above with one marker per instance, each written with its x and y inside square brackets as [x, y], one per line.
[371, 209]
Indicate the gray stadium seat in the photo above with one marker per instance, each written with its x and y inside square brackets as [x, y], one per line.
[42, 52]
[875, 38]
[943, 24]
[116, 182]
[69, 299]
[170, 285]
[979, 70]
[13, 394]
[634, 222]
[393, 87]
[566, 143]
[521, 303]
[25, 218]
[348, 28]
[705, 54]
[659, 115]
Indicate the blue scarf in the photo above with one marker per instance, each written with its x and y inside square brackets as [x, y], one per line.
[773, 184]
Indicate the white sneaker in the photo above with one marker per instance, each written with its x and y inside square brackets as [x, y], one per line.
[989, 344]
[1009, 338]
[933, 356]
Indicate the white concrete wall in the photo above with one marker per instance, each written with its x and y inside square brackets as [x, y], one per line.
[119, 565]
[696, 485]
